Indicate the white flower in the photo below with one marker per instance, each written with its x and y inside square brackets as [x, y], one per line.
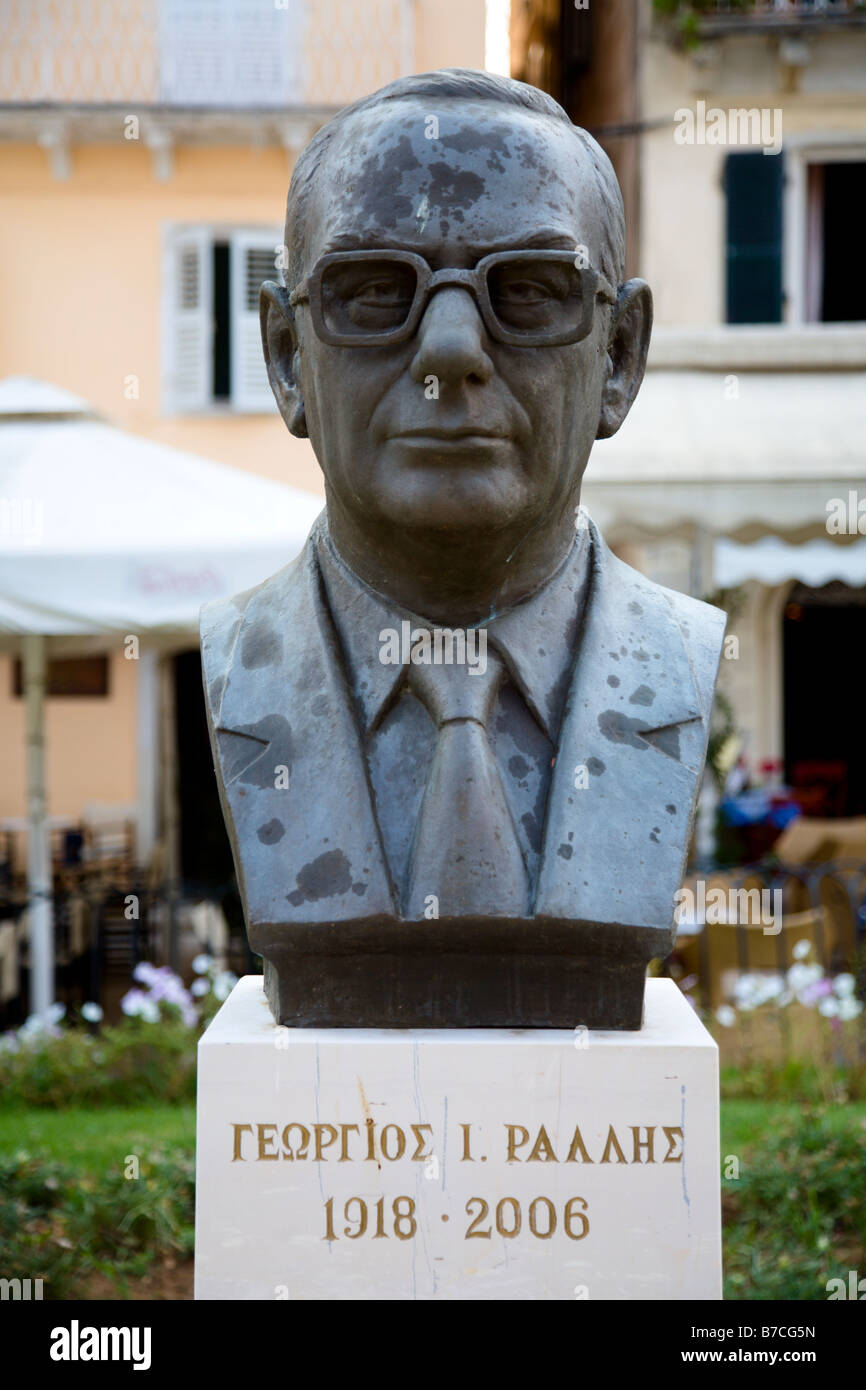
[726, 1015]
[149, 1011]
[802, 949]
[751, 991]
[145, 973]
[224, 984]
[202, 964]
[199, 987]
[801, 976]
[91, 1013]
[844, 985]
[829, 1007]
[132, 1002]
[849, 1008]
[56, 1012]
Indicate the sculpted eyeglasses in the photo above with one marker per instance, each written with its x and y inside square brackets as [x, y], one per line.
[526, 298]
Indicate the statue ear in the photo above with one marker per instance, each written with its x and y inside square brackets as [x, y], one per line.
[280, 345]
[628, 344]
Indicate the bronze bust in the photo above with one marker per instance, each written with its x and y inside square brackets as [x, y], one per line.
[458, 742]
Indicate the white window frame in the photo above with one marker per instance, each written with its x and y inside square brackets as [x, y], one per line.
[800, 151]
[174, 234]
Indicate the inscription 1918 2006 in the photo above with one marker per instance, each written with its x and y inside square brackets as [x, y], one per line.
[382, 1217]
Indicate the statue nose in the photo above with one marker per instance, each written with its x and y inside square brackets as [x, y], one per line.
[451, 340]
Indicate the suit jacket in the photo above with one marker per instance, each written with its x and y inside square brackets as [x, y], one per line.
[295, 788]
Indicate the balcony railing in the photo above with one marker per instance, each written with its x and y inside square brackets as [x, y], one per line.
[720, 16]
[781, 8]
[208, 54]
[687, 22]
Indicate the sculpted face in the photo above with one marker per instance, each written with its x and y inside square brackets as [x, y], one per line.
[510, 430]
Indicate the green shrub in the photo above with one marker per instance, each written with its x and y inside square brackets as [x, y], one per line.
[62, 1227]
[124, 1065]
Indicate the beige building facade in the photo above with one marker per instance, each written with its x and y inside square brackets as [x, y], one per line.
[145, 153]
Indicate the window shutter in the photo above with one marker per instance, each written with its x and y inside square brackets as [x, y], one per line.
[231, 52]
[266, 47]
[753, 185]
[188, 321]
[194, 53]
[253, 259]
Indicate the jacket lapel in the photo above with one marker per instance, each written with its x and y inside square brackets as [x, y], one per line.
[296, 786]
[630, 755]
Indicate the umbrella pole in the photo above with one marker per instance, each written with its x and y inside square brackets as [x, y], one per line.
[40, 905]
[170, 801]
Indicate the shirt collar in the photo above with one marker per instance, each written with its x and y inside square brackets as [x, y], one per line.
[537, 638]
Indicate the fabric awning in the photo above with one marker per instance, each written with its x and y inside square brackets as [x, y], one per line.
[772, 561]
[106, 532]
[746, 454]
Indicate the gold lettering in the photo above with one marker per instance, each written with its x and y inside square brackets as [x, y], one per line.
[542, 1149]
[371, 1138]
[321, 1142]
[612, 1141]
[302, 1151]
[639, 1143]
[672, 1133]
[467, 1157]
[513, 1143]
[419, 1156]
[344, 1141]
[236, 1152]
[577, 1153]
[263, 1140]
[400, 1143]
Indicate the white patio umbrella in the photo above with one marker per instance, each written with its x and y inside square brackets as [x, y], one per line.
[103, 533]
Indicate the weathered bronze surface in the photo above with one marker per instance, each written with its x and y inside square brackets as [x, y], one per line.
[493, 839]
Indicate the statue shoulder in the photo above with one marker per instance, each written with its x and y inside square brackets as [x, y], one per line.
[701, 625]
[703, 629]
[225, 622]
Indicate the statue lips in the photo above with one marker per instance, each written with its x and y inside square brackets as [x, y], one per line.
[463, 440]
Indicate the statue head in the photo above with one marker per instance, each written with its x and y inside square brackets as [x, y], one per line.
[454, 332]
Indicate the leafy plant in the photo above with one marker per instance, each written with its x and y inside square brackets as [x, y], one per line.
[62, 1227]
[151, 1055]
[796, 1215]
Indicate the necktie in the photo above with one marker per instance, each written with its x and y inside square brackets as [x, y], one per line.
[465, 850]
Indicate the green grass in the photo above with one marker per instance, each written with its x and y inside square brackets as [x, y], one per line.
[746, 1123]
[95, 1141]
[794, 1214]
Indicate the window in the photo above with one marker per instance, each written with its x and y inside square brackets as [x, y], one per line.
[835, 203]
[230, 52]
[753, 250]
[212, 350]
[80, 675]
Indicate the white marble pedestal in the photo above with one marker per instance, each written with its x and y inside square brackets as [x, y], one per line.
[457, 1164]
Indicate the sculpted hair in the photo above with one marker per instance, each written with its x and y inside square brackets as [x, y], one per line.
[449, 85]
